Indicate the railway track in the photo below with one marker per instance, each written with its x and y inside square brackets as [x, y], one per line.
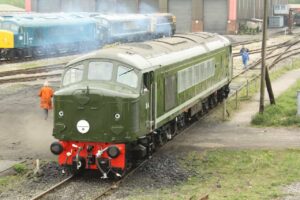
[31, 74]
[286, 53]
[35, 70]
[53, 188]
[29, 78]
[113, 187]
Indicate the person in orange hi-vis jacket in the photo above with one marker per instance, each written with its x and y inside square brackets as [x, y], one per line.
[46, 93]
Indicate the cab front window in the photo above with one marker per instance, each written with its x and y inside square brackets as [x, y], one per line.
[10, 27]
[73, 75]
[100, 71]
[127, 76]
[14, 28]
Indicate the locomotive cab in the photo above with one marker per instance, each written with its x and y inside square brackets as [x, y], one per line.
[99, 112]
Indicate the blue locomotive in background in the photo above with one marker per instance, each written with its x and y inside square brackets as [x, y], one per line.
[35, 35]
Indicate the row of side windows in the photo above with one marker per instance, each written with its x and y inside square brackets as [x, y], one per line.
[195, 74]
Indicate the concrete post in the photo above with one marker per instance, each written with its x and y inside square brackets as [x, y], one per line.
[298, 102]
[224, 109]
[232, 16]
[28, 5]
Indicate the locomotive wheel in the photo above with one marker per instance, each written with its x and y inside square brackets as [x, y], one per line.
[168, 133]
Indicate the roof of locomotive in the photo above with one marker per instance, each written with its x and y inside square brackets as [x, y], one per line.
[161, 52]
[38, 20]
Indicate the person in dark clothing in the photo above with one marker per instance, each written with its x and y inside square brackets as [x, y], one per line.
[244, 52]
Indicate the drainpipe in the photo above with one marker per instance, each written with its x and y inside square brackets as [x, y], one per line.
[28, 5]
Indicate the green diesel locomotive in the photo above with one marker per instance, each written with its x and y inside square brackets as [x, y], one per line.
[117, 104]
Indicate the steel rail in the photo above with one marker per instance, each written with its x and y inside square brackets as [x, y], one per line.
[34, 70]
[56, 186]
[29, 78]
[253, 65]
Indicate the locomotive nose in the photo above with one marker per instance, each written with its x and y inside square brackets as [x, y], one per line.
[6, 39]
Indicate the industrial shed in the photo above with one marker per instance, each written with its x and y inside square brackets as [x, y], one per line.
[221, 16]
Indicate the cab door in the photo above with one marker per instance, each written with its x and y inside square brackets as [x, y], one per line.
[147, 99]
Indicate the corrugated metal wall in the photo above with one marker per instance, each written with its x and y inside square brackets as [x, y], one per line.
[183, 12]
[248, 9]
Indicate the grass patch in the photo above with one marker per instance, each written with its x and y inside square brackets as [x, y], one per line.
[20, 168]
[8, 182]
[254, 86]
[283, 113]
[234, 175]
[18, 3]
[282, 70]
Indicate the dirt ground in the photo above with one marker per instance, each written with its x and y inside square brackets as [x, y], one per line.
[24, 132]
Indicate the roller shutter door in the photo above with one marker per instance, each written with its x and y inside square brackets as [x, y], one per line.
[215, 16]
[126, 6]
[75, 6]
[48, 6]
[183, 12]
[149, 6]
[83, 6]
[67, 6]
[105, 6]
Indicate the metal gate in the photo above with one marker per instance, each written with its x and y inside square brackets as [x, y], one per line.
[149, 6]
[183, 12]
[48, 6]
[215, 16]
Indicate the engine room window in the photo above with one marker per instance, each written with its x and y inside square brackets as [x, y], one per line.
[127, 76]
[73, 75]
[100, 71]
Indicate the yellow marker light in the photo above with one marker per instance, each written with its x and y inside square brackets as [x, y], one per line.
[6, 39]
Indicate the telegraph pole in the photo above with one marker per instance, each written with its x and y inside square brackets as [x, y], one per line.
[269, 87]
[263, 63]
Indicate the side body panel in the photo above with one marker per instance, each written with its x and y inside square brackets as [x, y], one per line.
[198, 91]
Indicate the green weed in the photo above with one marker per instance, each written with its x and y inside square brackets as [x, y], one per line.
[20, 168]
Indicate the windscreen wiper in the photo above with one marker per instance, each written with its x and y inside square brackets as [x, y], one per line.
[127, 72]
